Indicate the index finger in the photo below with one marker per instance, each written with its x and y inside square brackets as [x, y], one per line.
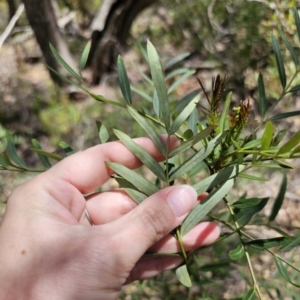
[87, 170]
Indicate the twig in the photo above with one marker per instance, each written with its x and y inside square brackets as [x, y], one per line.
[11, 24]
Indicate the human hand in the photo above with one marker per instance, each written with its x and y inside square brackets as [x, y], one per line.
[48, 250]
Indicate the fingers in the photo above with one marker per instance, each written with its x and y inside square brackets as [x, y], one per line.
[87, 170]
[203, 234]
[150, 267]
[153, 219]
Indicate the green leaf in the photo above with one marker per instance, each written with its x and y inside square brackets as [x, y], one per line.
[143, 74]
[176, 72]
[184, 114]
[237, 253]
[283, 272]
[44, 159]
[290, 47]
[279, 61]
[12, 152]
[155, 103]
[250, 295]
[159, 84]
[63, 63]
[262, 244]
[262, 100]
[205, 206]
[148, 127]
[141, 93]
[47, 154]
[294, 89]
[186, 100]
[102, 132]
[67, 148]
[252, 177]
[177, 59]
[297, 20]
[137, 180]
[289, 145]
[191, 142]
[252, 144]
[267, 136]
[286, 115]
[9, 162]
[279, 199]
[183, 276]
[266, 165]
[212, 181]
[180, 80]
[278, 137]
[243, 216]
[137, 196]
[223, 122]
[141, 154]
[3, 163]
[124, 81]
[291, 243]
[123, 183]
[85, 55]
[193, 121]
[245, 203]
[199, 156]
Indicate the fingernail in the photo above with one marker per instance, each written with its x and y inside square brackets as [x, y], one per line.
[181, 199]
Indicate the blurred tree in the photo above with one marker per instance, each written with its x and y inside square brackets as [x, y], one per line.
[42, 19]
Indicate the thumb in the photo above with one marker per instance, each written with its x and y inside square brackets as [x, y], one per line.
[153, 219]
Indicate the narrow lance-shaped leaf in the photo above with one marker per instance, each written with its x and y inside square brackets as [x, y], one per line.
[297, 20]
[44, 159]
[176, 72]
[85, 55]
[141, 93]
[294, 89]
[12, 152]
[289, 145]
[159, 84]
[262, 100]
[184, 114]
[124, 81]
[237, 253]
[252, 177]
[250, 295]
[64, 63]
[180, 80]
[196, 158]
[205, 206]
[223, 122]
[212, 181]
[155, 104]
[137, 180]
[148, 127]
[283, 272]
[137, 196]
[193, 121]
[102, 132]
[183, 276]
[3, 163]
[286, 115]
[141, 154]
[279, 61]
[292, 243]
[186, 100]
[290, 47]
[262, 244]
[243, 216]
[279, 199]
[193, 141]
[177, 59]
[67, 148]
[48, 154]
[267, 136]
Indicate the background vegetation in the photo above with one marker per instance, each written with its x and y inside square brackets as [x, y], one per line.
[231, 37]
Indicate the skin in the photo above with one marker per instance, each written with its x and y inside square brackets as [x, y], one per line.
[49, 250]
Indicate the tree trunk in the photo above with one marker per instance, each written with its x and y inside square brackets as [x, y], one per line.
[42, 19]
[111, 27]
[12, 8]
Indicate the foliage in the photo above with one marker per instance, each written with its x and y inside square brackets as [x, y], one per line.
[213, 141]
